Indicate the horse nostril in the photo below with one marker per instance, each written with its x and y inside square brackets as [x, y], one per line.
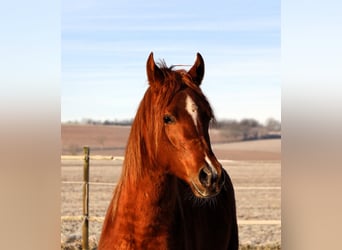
[206, 177]
[214, 178]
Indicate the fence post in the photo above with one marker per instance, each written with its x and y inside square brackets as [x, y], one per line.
[85, 226]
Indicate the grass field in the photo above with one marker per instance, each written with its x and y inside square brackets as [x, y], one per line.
[254, 167]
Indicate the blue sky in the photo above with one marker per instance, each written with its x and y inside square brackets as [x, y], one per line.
[105, 45]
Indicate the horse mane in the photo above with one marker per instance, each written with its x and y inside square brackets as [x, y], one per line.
[146, 129]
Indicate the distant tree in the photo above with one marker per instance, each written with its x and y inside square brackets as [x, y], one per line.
[273, 125]
[249, 123]
[107, 122]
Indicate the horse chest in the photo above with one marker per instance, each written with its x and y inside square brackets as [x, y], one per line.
[143, 219]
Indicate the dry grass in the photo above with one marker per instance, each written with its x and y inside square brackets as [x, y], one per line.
[265, 247]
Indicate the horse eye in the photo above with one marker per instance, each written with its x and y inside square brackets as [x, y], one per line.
[168, 119]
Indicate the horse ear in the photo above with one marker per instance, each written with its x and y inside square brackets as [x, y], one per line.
[197, 70]
[154, 74]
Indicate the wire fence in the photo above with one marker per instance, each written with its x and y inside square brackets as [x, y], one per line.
[85, 218]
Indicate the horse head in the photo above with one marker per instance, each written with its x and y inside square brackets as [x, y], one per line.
[181, 118]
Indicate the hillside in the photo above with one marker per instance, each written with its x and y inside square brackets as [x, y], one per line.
[111, 140]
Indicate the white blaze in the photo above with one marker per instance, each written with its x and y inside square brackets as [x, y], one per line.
[191, 107]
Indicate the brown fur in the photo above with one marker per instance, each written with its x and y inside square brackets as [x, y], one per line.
[155, 205]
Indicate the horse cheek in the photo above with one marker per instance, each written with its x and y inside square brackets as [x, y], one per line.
[176, 151]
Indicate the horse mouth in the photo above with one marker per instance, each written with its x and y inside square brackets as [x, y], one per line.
[203, 192]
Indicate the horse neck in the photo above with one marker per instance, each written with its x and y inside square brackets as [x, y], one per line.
[143, 211]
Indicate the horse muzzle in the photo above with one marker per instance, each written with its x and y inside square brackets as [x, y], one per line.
[208, 182]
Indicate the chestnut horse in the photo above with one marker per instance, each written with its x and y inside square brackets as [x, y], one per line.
[173, 193]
